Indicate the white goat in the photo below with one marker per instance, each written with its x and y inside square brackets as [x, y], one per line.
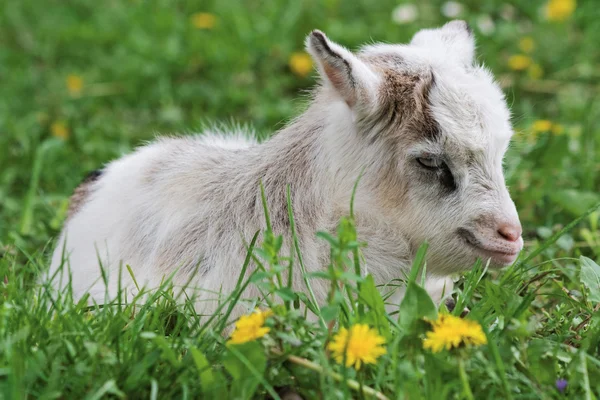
[428, 127]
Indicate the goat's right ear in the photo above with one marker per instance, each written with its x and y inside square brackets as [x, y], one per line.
[353, 80]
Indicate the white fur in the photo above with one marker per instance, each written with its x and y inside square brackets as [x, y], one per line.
[178, 204]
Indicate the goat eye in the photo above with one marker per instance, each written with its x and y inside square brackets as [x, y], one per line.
[430, 163]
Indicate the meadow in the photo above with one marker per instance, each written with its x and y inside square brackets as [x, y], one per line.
[84, 82]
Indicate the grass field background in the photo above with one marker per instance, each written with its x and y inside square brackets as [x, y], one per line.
[84, 82]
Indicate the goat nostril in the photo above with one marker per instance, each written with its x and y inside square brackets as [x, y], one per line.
[510, 232]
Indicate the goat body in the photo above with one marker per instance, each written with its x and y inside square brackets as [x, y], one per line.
[425, 127]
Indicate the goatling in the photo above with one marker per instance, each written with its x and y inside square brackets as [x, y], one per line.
[424, 124]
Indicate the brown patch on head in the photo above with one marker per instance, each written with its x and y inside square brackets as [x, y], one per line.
[403, 101]
[422, 123]
[403, 117]
[82, 193]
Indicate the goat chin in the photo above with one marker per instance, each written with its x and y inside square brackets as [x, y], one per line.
[420, 127]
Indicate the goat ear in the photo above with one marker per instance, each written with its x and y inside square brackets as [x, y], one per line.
[347, 74]
[455, 38]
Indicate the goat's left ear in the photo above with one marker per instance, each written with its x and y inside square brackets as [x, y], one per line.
[455, 38]
[353, 80]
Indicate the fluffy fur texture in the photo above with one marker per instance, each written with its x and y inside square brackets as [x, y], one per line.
[428, 127]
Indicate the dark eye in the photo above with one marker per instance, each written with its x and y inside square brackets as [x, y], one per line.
[440, 169]
[430, 163]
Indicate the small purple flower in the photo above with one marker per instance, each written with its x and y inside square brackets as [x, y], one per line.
[561, 385]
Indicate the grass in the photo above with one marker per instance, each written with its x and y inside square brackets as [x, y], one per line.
[140, 68]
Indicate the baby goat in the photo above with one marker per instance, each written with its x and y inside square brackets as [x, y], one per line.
[424, 123]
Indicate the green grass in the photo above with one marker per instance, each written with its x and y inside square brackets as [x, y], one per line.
[146, 70]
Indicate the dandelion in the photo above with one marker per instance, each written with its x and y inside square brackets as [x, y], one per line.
[526, 44]
[559, 10]
[535, 71]
[204, 20]
[405, 13]
[59, 130]
[519, 62]
[452, 9]
[250, 327]
[541, 125]
[450, 332]
[359, 345]
[561, 385]
[300, 63]
[74, 84]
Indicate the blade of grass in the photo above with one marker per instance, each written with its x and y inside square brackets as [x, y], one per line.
[493, 347]
[298, 253]
[550, 241]
[238, 286]
[251, 368]
[418, 262]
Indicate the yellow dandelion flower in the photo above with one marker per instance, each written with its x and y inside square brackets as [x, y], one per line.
[360, 345]
[450, 332]
[74, 84]
[535, 71]
[541, 125]
[203, 20]
[526, 44]
[250, 327]
[560, 10]
[301, 64]
[60, 130]
[519, 62]
[557, 129]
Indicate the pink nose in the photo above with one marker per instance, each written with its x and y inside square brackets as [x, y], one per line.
[510, 231]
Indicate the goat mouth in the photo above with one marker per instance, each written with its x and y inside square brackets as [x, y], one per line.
[499, 255]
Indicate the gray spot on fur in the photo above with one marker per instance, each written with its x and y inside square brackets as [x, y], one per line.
[82, 193]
